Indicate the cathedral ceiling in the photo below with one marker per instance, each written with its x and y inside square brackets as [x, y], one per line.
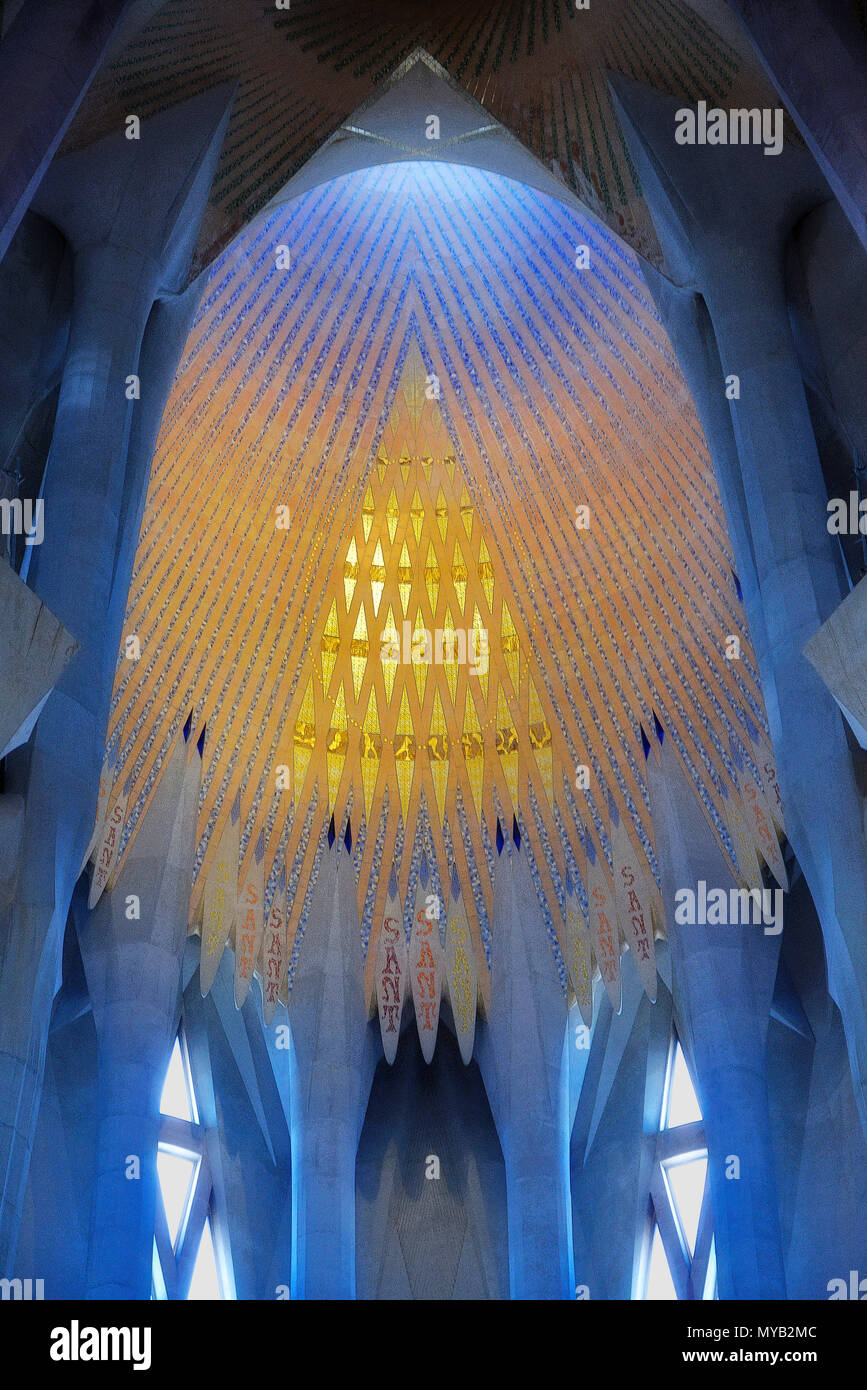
[539, 68]
[403, 409]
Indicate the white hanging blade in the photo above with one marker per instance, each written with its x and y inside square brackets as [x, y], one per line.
[632, 897]
[392, 977]
[745, 850]
[273, 953]
[603, 930]
[426, 969]
[109, 845]
[760, 821]
[579, 957]
[105, 779]
[221, 903]
[766, 762]
[462, 977]
[249, 927]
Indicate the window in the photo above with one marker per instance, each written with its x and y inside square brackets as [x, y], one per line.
[185, 1263]
[678, 1257]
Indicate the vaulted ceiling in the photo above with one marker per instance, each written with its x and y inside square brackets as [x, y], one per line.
[538, 66]
[409, 361]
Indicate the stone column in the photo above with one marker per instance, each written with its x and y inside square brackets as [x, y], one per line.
[722, 985]
[523, 1056]
[724, 215]
[816, 56]
[332, 1060]
[133, 237]
[687, 322]
[59, 771]
[834, 267]
[133, 965]
[48, 59]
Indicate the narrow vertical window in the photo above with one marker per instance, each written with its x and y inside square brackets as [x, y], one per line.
[678, 1255]
[185, 1260]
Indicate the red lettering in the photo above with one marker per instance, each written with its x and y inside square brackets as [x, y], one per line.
[426, 977]
[395, 988]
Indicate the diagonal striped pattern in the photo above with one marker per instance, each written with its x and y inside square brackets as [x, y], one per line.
[539, 68]
[304, 389]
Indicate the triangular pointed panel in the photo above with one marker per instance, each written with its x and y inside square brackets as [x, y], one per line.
[660, 1285]
[205, 1283]
[632, 896]
[250, 922]
[274, 951]
[579, 958]
[392, 977]
[686, 1184]
[109, 845]
[176, 1095]
[604, 931]
[221, 898]
[682, 1107]
[177, 1173]
[426, 972]
[462, 978]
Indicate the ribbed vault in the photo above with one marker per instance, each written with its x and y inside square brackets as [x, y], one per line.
[409, 361]
[538, 68]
